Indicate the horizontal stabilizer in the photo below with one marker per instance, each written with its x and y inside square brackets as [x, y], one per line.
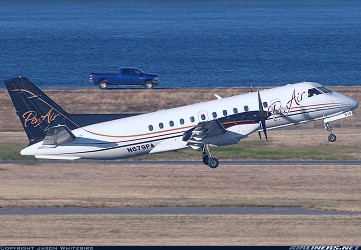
[57, 157]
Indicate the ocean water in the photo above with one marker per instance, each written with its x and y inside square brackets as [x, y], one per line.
[188, 43]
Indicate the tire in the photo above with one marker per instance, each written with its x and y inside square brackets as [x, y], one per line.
[205, 159]
[103, 84]
[213, 163]
[332, 138]
[148, 85]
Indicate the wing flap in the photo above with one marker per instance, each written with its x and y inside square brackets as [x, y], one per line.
[203, 131]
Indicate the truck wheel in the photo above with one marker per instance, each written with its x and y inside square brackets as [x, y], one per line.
[148, 85]
[103, 84]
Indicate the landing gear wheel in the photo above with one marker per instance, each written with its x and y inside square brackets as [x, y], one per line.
[332, 138]
[205, 159]
[213, 163]
[103, 84]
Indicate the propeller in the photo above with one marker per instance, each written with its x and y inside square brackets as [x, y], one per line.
[262, 116]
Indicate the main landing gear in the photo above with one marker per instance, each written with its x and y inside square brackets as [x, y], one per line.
[207, 157]
[331, 136]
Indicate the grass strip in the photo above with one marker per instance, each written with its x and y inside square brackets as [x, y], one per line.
[242, 150]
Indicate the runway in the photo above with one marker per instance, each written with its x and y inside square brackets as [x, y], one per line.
[176, 162]
[170, 210]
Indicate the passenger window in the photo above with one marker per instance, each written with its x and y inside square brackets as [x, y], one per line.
[150, 128]
[203, 117]
[314, 91]
[235, 110]
[265, 104]
[161, 125]
[214, 114]
[192, 119]
[171, 123]
[225, 112]
[181, 121]
[246, 108]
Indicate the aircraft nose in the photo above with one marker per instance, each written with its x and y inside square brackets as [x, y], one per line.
[353, 103]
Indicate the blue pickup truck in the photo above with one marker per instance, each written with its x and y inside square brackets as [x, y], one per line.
[126, 76]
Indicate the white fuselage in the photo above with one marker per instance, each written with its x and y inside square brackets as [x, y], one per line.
[163, 130]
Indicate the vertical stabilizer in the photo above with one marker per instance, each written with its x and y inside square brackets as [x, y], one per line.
[37, 112]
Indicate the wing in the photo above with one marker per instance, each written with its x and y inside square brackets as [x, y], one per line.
[202, 131]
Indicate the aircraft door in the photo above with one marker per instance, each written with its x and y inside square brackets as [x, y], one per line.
[203, 116]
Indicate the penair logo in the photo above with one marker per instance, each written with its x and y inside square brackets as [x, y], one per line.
[277, 108]
[31, 118]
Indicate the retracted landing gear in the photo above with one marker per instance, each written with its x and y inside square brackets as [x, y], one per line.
[331, 136]
[207, 157]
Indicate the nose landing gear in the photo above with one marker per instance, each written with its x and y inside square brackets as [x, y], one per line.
[331, 136]
[207, 157]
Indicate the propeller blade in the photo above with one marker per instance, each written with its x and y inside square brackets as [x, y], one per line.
[260, 107]
[262, 116]
[263, 122]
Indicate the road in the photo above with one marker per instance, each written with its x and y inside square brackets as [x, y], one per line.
[170, 210]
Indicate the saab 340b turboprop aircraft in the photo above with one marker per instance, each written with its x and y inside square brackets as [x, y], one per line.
[55, 134]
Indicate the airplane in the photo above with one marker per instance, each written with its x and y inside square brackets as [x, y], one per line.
[55, 134]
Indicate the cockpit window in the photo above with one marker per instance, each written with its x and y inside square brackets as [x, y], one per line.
[324, 89]
[318, 91]
[313, 92]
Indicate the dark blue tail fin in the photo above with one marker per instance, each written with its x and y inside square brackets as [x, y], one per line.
[37, 112]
